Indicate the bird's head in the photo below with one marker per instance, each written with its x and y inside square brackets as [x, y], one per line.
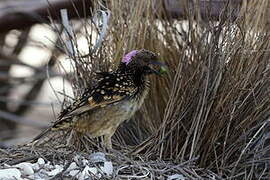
[143, 61]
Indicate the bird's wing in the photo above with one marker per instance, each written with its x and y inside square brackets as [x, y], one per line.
[110, 89]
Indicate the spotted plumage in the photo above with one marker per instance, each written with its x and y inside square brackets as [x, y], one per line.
[115, 98]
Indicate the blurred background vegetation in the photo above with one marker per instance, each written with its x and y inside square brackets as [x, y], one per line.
[213, 106]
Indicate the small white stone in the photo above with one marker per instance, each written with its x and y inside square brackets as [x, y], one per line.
[91, 170]
[72, 166]
[58, 166]
[84, 162]
[42, 174]
[107, 168]
[48, 166]
[32, 176]
[41, 161]
[97, 157]
[7, 166]
[81, 176]
[57, 170]
[87, 172]
[74, 172]
[25, 167]
[39, 178]
[78, 159]
[10, 174]
[176, 177]
[35, 166]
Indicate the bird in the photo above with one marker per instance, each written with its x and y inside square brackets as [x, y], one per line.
[115, 98]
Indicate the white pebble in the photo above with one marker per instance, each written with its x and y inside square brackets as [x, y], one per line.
[25, 167]
[72, 166]
[87, 172]
[78, 159]
[58, 166]
[35, 166]
[35, 177]
[10, 174]
[97, 157]
[42, 173]
[57, 170]
[48, 166]
[176, 177]
[74, 172]
[32, 176]
[81, 176]
[7, 165]
[107, 168]
[91, 171]
[85, 162]
[41, 161]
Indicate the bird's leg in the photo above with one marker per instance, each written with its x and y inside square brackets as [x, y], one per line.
[107, 141]
[108, 137]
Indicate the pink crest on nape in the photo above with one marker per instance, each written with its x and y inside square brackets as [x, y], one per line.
[128, 57]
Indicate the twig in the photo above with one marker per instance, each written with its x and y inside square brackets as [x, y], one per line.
[68, 33]
[104, 29]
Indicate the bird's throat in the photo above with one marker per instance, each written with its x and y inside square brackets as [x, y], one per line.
[139, 79]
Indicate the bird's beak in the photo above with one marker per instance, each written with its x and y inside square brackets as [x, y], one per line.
[158, 68]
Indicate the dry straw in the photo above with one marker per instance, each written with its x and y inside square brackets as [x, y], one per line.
[214, 104]
[212, 109]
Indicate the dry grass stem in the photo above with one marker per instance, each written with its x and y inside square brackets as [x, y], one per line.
[209, 116]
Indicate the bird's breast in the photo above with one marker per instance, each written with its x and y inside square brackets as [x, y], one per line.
[105, 120]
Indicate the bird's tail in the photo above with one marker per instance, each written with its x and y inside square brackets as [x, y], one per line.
[61, 124]
[43, 133]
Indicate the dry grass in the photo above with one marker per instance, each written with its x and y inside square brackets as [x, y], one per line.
[213, 106]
